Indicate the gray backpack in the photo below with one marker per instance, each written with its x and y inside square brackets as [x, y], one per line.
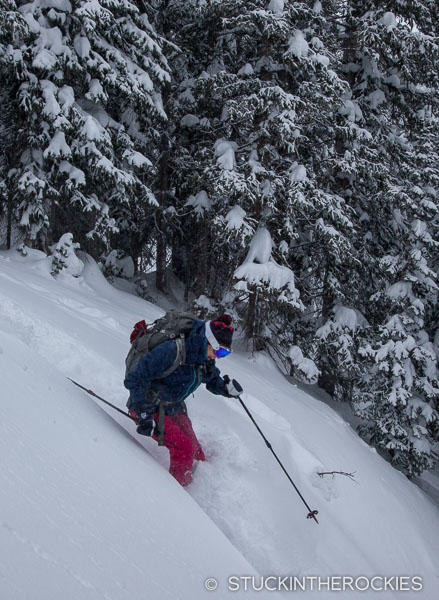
[174, 325]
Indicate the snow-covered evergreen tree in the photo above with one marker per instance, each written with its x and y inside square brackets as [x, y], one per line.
[85, 77]
[256, 147]
[11, 26]
[264, 284]
[337, 346]
[390, 62]
[64, 258]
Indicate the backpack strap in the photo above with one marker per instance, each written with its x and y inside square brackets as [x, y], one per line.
[161, 424]
[179, 359]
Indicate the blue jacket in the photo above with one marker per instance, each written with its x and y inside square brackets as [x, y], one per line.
[144, 386]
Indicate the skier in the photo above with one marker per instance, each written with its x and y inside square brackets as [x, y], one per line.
[157, 403]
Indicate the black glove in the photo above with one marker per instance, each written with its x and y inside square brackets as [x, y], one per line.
[233, 388]
[146, 427]
[144, 419]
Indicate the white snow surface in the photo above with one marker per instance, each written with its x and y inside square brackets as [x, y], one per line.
[200, 202]
[57, 146]
[298, 45]
[277, 6]
[259, 268]
[317, 8]
[189, 121]
[261, 247]
[235, 218]
[389, 21]
[226, 154]
[305, 365]
[297, 172]
[89, 511]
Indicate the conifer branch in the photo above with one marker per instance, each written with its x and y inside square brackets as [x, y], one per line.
[333, 473]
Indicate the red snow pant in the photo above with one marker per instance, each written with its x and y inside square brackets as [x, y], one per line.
[183, 446]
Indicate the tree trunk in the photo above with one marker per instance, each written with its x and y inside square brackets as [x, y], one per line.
[253, 322]
[160, 279]
[9, 221]
[201, 266]
[162, 197]
[163, 176]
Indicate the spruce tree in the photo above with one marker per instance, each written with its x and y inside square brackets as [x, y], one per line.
[390, 62]
[257, 76]
[12, 25]
[85, 78]
[64, 258]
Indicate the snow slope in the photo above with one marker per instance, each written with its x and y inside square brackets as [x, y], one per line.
[85, 512]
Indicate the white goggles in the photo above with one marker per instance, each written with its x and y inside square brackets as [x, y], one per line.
[220, 351]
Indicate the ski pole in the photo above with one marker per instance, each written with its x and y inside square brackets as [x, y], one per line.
[312, 513]
[122, 412]
[91, 392]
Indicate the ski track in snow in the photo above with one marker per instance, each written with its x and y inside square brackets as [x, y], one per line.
[81, 329]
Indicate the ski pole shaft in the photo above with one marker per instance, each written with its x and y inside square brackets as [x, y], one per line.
[122, 412]
[91, 392]
[312, 513]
